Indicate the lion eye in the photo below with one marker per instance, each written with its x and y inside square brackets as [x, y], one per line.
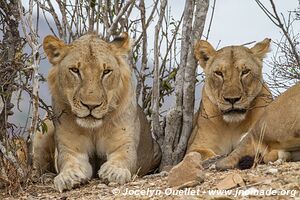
[218, 73]
[75, 70]
[245, 72]
[106, 71]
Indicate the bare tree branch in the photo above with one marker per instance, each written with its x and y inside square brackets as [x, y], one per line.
[32, 40]
[156, 86]
[211, 18]
[113, 25]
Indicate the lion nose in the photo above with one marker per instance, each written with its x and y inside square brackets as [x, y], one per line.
[232, 100]
[90, 106]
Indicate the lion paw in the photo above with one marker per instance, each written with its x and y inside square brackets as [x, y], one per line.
[113, 173]
[225, 164]
[69, 179]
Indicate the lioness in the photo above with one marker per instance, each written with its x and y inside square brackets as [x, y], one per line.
[96, 113]
[278, 129]
[233, 98]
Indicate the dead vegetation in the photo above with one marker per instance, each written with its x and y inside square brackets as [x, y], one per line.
[283, 178]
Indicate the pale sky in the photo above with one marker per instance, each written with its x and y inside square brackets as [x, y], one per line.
[237, 22]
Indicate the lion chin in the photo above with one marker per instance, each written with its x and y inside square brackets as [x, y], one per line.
[89, 123]
[235, 117]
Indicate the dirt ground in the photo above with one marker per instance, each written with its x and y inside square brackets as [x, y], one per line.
[264, 182]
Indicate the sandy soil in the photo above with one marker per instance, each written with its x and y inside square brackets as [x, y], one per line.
[265, 179]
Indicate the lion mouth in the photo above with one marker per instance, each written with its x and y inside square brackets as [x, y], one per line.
[234, 111]
[89, 121]
[90, 117]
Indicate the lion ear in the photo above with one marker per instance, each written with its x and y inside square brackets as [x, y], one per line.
[203, 52]
[54, 48]
[260, 49]
[121, 44]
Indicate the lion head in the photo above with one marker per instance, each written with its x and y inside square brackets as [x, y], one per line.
[90, 78]
[233, 76]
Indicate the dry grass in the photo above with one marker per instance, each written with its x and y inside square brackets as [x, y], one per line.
[262, 177]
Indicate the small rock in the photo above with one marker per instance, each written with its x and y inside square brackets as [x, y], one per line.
[112, 184]
[152, 184]
[293, 186]
[186, 171]
[273, 171]
[101, 185]
[277, 162]
[221, 198]
[190, 198]
[231, 181]
[187, 185]
[212, 167]
[160, 174]
[259, 180]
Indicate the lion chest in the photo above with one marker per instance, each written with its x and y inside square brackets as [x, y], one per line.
[221, 138]
[109, 140]
[230, 138]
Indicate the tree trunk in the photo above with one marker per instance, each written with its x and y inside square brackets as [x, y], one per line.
[11, 48]
[179, 119]
[156, 127]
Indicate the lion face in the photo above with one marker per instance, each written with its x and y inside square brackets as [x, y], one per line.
[89, 76]
[89, 84]
[233, 76]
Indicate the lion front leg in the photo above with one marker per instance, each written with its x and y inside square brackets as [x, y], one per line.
[43, 151]
[206, 153]
[74, 169]
[242, 155]
[120, 165]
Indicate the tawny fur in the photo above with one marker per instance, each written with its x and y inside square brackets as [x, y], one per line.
[96, 115]
[277, 130]
[233, 73]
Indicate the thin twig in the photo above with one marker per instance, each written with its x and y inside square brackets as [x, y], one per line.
[211, 18]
